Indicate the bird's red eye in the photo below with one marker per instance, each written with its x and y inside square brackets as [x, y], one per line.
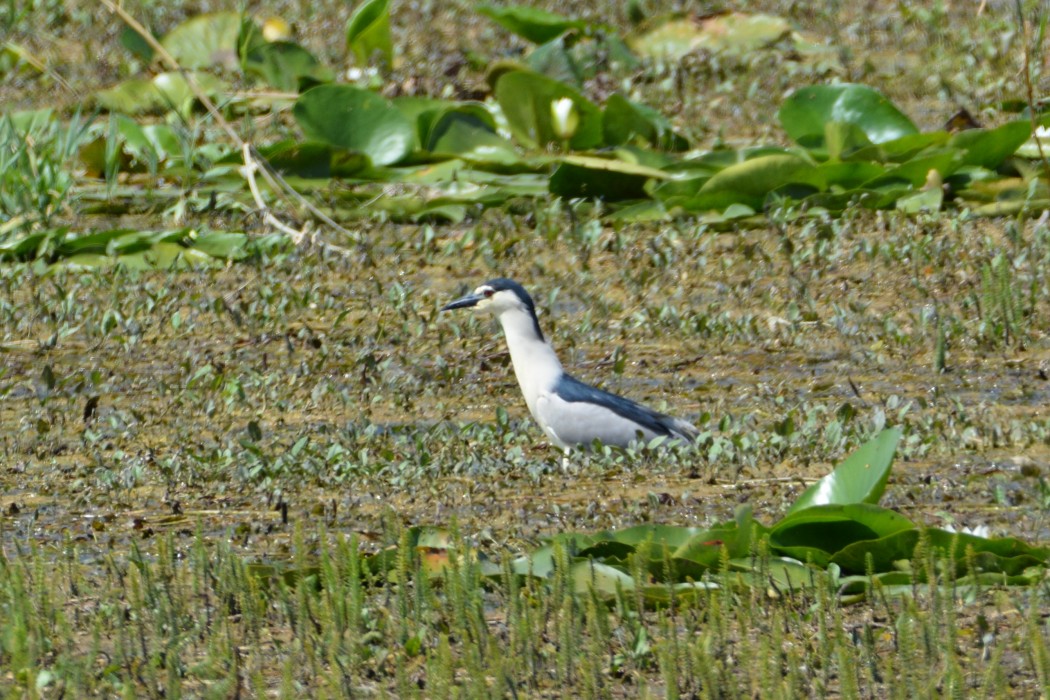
[488, 292]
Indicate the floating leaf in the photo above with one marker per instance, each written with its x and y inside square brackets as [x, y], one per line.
[555, 61]
[205, 41]
[423, 112]
[735, 32]
[806, 114]
[526, 100]
[901, 149]
[816, 533]
[850, 174]
[624, 121]
[309, 159]
[469, 132]
[530, 23]
[604, 178]
[355, 119]
[368, 33]
[988, 148]
[285, 65]
[925, 200]
[162, 256]
[164, 92]
[750, 182]
[861, 478]
[607, 581]
[916, 172]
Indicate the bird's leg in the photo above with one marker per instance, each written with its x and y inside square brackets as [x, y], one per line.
[565, 460]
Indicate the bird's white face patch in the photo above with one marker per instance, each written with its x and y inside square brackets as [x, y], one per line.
[496, 301]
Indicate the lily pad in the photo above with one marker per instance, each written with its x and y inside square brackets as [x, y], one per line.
[750, 182]
[806, 114]
[531, 23]
[164, 92]
[310, 159]
[469, 132]
[816, 533]
[861, 478]
[735, 32]
[162, 256]
[526, 99]
[368, 32]
[603, 178]
[205, 40]
[625, 122]
[285, 65]
[355, 119]
[988, 148]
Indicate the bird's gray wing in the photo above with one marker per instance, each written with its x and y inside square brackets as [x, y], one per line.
[579, 413]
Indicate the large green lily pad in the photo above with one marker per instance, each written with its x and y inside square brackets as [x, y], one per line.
[355, 119]
[806, 114]
[164, 92]
[526, 99]
[531, 23]
[861, 478]
[734, 32]
[205, 40]
[603, 178]
[368, 32]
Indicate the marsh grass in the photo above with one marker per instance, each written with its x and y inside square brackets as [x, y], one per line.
[198, 618]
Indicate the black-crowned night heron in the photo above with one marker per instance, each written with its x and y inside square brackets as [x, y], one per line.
[571, 413]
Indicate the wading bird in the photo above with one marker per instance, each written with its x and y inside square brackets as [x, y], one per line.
[571, 413]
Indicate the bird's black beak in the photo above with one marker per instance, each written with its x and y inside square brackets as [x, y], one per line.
[463, 303]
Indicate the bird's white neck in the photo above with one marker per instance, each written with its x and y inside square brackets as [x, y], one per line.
[535, 364]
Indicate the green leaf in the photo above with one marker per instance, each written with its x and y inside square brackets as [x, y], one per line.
[818, 532]
[988, 148]
[226, 245]
[556, 62]
[850, 174]
[646, 210]
[806, 114]
[309, 159]
[883, 552]
[468, 131]
[355, 119]
[162, 256]
[730, 32]
[861, 478]
[368, 33]
[784, 573]
[670, 535]
[1002, 555]
[285, 65]
[901, 149]
[205, 41]
[624, 121]
[134, 43]
[925, 200]
[164, 92]
[530, 23]
[540, 563]
[916, 171]
[749, 182]
[526, 100]
[705, 548]
[842, 139]
[605, 580]
[604, 178]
